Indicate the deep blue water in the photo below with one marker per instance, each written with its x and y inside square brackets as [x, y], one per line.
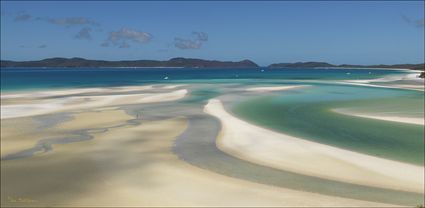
[42, 78]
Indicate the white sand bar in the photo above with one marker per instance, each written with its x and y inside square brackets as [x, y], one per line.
[273, 88]
[400, 119]
[412, 77]
[262, 146]
[67, 92]
[42, 105]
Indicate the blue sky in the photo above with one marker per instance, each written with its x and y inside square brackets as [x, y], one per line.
[265, 32]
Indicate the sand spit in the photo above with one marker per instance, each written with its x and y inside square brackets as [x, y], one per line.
[400, 119]
[265, 147]
[68, 92]
[274, 88]
[392, 86]
[411, 81]
[41, 103]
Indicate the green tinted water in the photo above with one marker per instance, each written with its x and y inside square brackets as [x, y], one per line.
[201, 95]
[307, 114]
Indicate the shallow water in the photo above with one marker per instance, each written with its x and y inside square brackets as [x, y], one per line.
[308, 114]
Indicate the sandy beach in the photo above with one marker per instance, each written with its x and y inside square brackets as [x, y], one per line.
[265, 147]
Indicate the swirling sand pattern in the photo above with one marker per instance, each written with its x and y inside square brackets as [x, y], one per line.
[119, 154]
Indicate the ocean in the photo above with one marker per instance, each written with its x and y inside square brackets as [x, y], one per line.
[13, 79]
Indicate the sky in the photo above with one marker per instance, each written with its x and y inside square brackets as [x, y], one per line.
[346, 32]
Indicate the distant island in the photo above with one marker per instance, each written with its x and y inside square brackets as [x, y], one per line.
[188, 63]
[174, 62]
[328, 65]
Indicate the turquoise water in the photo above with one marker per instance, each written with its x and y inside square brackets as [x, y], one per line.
[308, 114]
[39, 78]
